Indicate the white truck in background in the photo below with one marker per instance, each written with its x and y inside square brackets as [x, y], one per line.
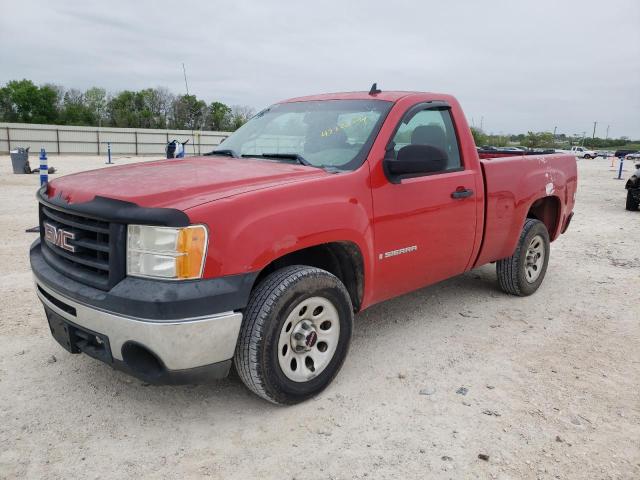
[582, 152]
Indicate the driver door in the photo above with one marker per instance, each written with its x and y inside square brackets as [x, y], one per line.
[425, 226]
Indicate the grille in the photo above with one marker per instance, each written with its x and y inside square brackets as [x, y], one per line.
[98, 256]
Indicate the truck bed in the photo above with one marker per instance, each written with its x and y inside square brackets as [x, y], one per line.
[510, 185]
[486, 153]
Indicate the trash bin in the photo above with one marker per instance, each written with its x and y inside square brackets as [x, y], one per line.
[20, 160]
[171, 149]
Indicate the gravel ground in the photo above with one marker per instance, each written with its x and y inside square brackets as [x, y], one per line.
[551, 381]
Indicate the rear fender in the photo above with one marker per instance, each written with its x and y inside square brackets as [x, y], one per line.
[517, 189]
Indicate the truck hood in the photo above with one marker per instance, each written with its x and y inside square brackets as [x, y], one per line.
[179, 183]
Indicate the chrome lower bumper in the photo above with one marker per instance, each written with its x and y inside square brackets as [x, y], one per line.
[179, 344]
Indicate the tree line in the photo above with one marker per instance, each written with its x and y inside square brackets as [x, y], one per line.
[22, 101]
[549, 140]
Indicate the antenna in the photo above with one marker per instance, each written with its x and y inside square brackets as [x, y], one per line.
[374, 89]
[186, 86]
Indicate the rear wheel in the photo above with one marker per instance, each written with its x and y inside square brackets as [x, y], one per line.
[523, 272]
[632, 203]
[587, 156]
[295, 334]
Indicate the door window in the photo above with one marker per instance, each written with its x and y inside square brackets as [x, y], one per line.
[430, 127]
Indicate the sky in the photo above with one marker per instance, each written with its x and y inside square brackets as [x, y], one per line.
[514, 65]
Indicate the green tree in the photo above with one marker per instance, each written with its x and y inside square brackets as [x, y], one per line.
[124, 109]
[75, 110]
[240, 114]
[218, 117]
[188, 113]
[478, 136]
[95, 100]
[156, 104]
[497, 140]
[60, 91]
[6, 107]
[23, 101]
[539, 139]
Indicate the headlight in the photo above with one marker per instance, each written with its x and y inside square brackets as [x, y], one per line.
[166, 252]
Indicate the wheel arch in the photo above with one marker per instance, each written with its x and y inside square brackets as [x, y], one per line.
[340, 258]
[548, 211]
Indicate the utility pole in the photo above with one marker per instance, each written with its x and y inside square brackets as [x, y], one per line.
[554, 135]
[594, 130]
[607, 135]
[481, 122]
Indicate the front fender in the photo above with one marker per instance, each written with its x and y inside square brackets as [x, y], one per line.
[249, 231]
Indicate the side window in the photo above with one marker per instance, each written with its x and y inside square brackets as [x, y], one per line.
[430, 127]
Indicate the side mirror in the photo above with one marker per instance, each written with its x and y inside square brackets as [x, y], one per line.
[416, 160]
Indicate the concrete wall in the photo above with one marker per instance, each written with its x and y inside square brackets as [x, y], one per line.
[62, 139]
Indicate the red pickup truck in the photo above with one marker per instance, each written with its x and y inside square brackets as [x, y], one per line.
[260, 253]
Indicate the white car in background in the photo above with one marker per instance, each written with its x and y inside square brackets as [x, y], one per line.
[604, 153]
[511, 149]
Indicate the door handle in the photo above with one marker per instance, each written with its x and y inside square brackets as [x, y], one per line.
[462, 193]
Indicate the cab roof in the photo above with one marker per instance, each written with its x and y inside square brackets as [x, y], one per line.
[389, 96]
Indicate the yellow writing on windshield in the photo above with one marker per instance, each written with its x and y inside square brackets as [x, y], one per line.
[361, 120]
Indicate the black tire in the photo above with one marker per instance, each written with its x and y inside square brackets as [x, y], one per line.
[632, 204]
[256, 356]
[587, 156]
[512, 271]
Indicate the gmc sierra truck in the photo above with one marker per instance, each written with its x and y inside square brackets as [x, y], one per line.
[260, 253]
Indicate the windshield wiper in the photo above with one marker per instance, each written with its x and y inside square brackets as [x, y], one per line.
[223, 151]
[287, 156]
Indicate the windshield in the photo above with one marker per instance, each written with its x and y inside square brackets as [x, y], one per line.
[328, 134]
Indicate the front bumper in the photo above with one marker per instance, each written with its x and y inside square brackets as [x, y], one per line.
[159, 347]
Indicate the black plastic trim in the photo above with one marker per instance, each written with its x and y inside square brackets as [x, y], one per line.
[118, 211]
[189, 376]
[147, 298]
[61, 305]
[567, 222]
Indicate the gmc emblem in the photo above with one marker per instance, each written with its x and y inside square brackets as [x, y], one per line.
[58, 237]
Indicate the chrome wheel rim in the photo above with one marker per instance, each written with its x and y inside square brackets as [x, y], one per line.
[308, 339]
[534, 260]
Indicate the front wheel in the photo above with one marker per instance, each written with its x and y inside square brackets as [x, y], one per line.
[295, 334]
[522, 273]
[587, 156]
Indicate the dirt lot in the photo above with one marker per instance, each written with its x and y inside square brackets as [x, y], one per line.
[553, 380]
